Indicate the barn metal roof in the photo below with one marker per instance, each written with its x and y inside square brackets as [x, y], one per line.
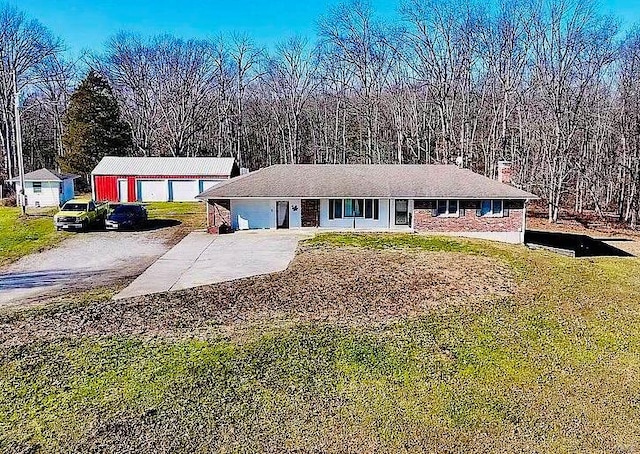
[155, 166]
[361, 180]
[45, 175]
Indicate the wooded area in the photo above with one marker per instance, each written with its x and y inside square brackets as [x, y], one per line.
[553, 86]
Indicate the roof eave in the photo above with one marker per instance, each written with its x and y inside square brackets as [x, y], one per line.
[205, 196]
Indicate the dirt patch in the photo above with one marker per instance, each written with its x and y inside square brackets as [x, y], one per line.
[587, 223]
[610, 230]
[341, 285]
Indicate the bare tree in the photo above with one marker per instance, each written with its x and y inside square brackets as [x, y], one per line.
[290, 77]
[245, 56]
[352, 35]
[629, 124]
[25, 46]
[572, 47]
[540, 83]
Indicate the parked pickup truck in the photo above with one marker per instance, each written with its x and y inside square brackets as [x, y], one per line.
[81, 214]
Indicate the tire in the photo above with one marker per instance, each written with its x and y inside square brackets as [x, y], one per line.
[85, 225]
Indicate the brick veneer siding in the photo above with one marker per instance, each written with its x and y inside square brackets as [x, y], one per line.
[219, 214]
[469, 221]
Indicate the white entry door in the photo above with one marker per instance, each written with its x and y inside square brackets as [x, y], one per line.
[183, 190]
[123, 191]
[154, 191]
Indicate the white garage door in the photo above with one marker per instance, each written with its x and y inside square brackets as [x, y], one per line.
[206, 184]
[153, 190]
[183, 190]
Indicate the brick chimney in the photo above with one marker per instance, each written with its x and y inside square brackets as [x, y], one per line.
[504, 172]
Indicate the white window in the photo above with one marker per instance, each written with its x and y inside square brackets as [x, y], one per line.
[354, 208]
[493, 208]
[448, 208]
[37, 186]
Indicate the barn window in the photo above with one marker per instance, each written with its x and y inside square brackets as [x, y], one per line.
[37, 186]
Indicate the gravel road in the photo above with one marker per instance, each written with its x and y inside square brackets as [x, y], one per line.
[83, 261]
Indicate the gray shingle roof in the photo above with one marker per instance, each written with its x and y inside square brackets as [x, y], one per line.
[362, 180]
[156, 166]
[45, 175]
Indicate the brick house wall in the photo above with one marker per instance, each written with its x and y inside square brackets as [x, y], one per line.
[469, 220]
[219, 213]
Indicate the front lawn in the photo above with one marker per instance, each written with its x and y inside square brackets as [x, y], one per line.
[367, 343]
[21, 236]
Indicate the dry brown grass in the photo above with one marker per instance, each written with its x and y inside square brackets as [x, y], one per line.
[348, 286]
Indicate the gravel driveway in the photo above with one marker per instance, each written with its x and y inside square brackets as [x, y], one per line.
[83, 261]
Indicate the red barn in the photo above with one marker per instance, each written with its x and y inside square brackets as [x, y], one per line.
[158, 179]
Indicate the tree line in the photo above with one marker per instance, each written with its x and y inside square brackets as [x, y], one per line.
[551, 85]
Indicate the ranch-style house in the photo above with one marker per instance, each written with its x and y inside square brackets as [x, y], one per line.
[413, 198]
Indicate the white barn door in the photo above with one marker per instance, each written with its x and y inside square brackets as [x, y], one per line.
[153, 190]
[206, 184]
[183, 190]
[123, 191]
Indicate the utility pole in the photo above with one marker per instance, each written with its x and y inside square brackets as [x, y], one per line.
[21, 196]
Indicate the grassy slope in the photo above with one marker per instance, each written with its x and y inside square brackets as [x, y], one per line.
[21, 236]
[552, 369]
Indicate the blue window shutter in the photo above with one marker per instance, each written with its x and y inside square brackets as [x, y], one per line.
[170, 190]
[138, 190]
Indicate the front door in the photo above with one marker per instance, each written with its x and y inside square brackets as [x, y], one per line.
[282, 214]
[402, 212]
[310, 212]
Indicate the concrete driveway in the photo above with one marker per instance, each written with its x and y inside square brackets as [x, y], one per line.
[202, 259]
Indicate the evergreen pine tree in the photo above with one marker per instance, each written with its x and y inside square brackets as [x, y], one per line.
[93, 127]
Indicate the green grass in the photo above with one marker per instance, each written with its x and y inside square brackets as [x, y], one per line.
[191, 214]
[552, 369]
[21, 236]
[400, 241]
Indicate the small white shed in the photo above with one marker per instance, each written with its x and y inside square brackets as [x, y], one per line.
[45, 188]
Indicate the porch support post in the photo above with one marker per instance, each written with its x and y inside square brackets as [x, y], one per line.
[411, 213]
